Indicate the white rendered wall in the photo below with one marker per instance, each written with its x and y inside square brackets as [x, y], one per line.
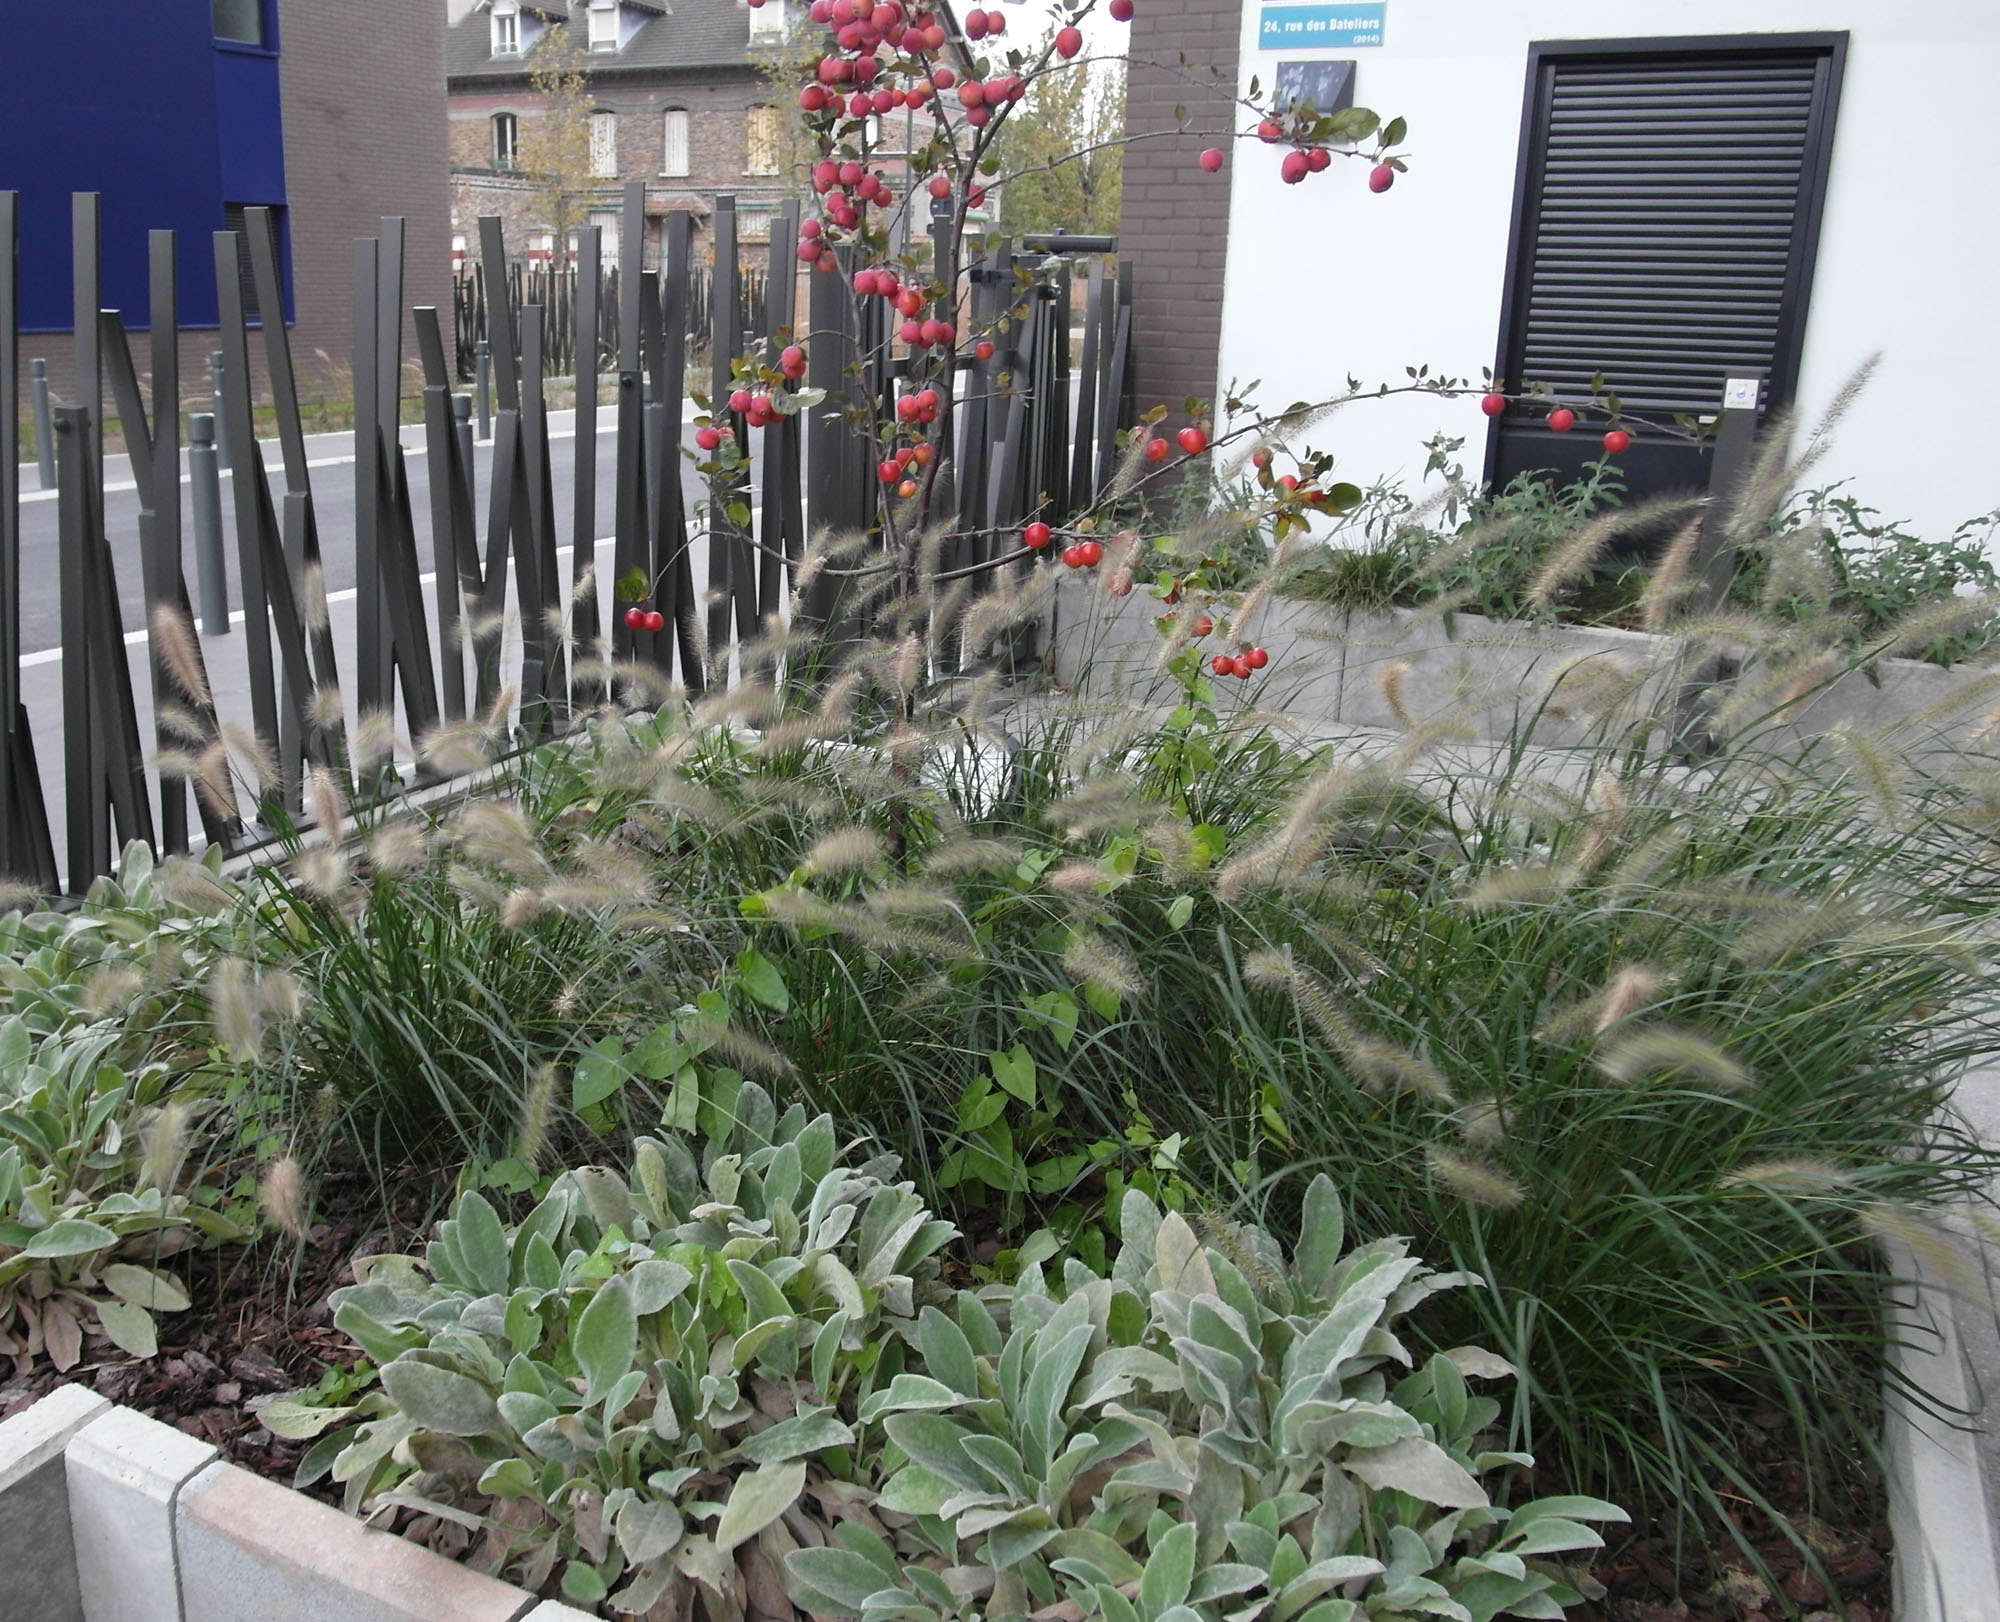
[1327, 279]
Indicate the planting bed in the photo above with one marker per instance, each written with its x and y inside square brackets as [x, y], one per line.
[258, 1326]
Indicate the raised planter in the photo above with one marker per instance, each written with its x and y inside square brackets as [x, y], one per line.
[1946, 1566]
[108, 1516]
[1340, 667]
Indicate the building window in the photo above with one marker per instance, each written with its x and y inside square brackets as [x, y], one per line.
[606, 221]
[236, 217]
[1626, 267]
[241, 22]
[603, 26]
[506, 30]
[674, 158]
[760, 131]
[604, 146]
[506, 140]
[768, 23]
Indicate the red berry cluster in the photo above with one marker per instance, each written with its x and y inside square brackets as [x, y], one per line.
[1302, 160]
[901, 466]
[1561, 420]
[1240, 663]
[1191, 439]
[644, 619]
[909, 300]
[1084, 555]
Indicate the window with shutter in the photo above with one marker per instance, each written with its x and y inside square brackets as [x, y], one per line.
[604, 146]
[1666, 218]
[760, 141]
[674, 160]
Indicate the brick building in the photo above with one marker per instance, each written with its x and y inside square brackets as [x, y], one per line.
[681, 98]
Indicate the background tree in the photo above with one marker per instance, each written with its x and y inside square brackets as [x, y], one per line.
[782, 66]
[555, 146]
[1067, 138]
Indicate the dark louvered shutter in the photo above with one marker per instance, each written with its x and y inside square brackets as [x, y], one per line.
[1668, 215]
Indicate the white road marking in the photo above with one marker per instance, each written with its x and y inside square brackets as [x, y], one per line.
[347, 594]
[271, 470]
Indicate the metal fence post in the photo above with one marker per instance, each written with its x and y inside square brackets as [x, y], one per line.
[1735, 449]
[222, 458]
[211, 579]
[461, 421]
[482, 385]
[45, 428]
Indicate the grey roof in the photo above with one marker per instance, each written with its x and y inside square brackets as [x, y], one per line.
[692, 34]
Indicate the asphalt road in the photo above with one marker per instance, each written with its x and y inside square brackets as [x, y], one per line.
[331, 464]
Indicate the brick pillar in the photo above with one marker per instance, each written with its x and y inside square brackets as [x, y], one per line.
[365, 135]
[1173, 225]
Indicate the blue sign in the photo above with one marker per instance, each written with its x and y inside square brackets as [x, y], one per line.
[1292, 28]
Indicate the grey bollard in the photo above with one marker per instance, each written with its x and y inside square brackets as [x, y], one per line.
[211, 580]
[461, 418]
[483, 373]
[215, 387]
[45, 430]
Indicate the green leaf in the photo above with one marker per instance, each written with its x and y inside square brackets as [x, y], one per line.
[510, 1478]
[840, 1575]
[440, 1400]
[1420, 1468]
[1103, 1001]
[647, 1529]
[1180, 912]
[1057, 1012]
[1014, 1070]
[947, 1353]
[793, 1438]
[1169, 1571]
[599, 1074]
[1047, 1392]
[762, 980]
[936, 1443]
[581, 1583]
[1572, 1507]
[607, 1338]
[144, 1287]
[130, 1327]
[1322, 1232]
[660, 1054]
[1394, 131]
[72, 1236]
[482, 1243]
[757, 1500]
[914, 1490]
[297, 1422]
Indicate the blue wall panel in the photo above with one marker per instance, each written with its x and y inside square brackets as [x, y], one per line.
[132, 99]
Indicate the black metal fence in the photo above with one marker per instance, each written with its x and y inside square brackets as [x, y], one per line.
[1028, 438]
[553, 289]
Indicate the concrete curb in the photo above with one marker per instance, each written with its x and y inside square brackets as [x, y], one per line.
[1338, 666]
[109, 1516]
[1945, 1568]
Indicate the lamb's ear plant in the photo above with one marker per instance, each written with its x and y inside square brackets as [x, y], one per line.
[644, 1355]
[90, 1202]
[740, 1387]
[1212, 1431]
[100, 1100]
